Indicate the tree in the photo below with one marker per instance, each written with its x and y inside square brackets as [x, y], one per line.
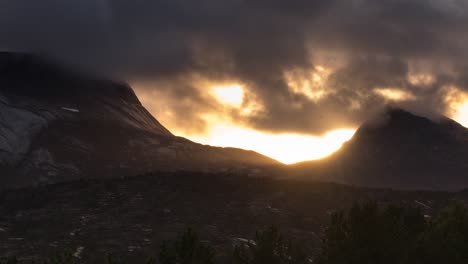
[186, 249]
[446, 238]
[61, 258]
[269, 247]
[369, 234]
[11, 260]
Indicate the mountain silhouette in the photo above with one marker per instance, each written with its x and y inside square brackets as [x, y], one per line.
[398, 149]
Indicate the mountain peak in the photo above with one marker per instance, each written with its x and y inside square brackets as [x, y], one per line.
[13, 64]
[46, 79]
[392, 116]
[395, 112]
[399, 149]
[398, 122]
[60, 124]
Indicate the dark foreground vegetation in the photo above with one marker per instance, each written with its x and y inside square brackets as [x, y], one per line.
[365, 234]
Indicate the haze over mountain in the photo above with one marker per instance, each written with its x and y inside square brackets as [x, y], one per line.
[58, 124]
[400, 150]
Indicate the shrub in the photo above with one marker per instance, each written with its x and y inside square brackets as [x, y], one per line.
[446, 238]
[186, 249]
[61, 258]
[11, 260]
[268, 247]
[369, 234]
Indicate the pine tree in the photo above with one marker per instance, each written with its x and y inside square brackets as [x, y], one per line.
[186, 249]
[268, 247]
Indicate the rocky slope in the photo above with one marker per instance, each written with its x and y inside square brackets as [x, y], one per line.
[400, 150]
[57, 124]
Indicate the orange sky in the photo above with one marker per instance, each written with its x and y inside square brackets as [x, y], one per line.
[221, 130]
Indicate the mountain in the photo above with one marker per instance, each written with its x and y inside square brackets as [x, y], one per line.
[398, 149]
[58, 124]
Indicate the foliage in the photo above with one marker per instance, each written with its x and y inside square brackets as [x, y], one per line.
[63, 258]
[395, 234]
[368, 234]
[365, 234]
[268, 247]
[113, 260]
[446, 239]
[11, 260]
[187, 249]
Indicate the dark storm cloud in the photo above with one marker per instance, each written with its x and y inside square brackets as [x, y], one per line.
[254, 42]
[398, 27]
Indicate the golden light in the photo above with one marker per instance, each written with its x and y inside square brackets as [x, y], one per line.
[320, 68]
[232, 95]
[421, 79]
[457, 101]
[286, 148]
[394, 94]
[219, 131]
[461, 115]
[310, 84]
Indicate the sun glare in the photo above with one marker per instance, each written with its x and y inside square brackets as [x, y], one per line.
[286, 148]
[461, 115]
[457, 101]
[232, 95]
[393, 94]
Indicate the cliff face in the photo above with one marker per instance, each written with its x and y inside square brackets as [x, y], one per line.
[57, 124]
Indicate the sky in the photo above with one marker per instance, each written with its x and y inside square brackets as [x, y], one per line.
[298, 74]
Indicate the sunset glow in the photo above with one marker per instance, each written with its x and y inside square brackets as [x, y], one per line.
[461, 115]
[221, 131]
[231, 95]
[309, 84]
[394, 94]
[286, 148]
[457, 101]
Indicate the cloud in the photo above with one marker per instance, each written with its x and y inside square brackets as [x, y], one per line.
[416, 46]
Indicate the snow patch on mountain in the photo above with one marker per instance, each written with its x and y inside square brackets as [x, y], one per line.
[71, 109]
[17, 128]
